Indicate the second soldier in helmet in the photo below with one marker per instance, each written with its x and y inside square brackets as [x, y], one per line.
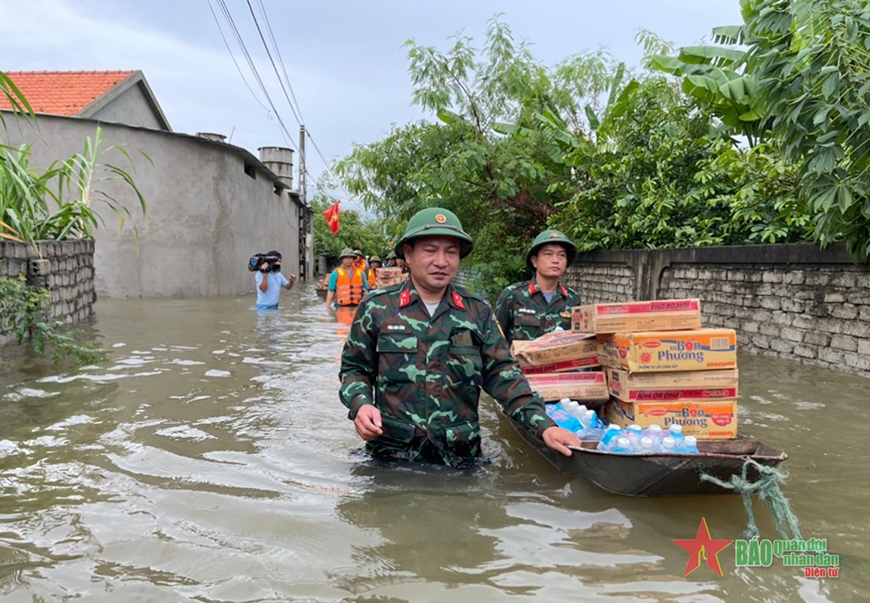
[540, 305]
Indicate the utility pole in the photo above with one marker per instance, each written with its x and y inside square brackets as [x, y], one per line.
[306, 231]
[302, 168]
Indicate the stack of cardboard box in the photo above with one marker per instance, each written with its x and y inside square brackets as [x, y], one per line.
[556, 366]
[663, 368]
[384, 277]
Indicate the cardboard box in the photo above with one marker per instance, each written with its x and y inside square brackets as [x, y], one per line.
[556, 347]
[564, 365]
[663, 387]
[706, 420]
[589, 386]
[698, 350]
[660, 315]
[384, 277]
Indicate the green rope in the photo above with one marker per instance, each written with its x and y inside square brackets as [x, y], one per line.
[768, 490]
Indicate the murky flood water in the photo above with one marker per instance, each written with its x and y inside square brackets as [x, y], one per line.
[210, 460]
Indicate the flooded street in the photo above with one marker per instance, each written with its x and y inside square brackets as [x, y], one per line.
[210, 460]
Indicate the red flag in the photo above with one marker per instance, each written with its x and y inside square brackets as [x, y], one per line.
[331, 215]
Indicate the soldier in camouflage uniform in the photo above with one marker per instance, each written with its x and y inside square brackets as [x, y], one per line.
[532, 308]
[426, 347]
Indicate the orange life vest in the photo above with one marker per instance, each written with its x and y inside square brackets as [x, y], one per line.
[349, 289]
[372, 278]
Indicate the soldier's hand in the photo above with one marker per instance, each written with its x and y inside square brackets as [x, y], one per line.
[559, 439]
[368, 422]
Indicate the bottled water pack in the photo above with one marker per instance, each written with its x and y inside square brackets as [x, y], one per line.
[635, 440]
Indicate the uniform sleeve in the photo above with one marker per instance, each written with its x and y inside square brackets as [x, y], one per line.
[503, 311]
[503, 380]
[333, 280]
[358, 362]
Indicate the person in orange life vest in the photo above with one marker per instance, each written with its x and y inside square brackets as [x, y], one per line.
[347, 284]
[375, 263]
[360, 261]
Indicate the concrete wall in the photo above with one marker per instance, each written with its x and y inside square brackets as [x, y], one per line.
[70, 277]
[791, 301]
[130, 108]
[209, 208]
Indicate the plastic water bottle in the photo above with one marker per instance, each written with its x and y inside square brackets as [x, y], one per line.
[690, 445]
[562, 418]
[608, 440]
[653, 431]
[633, 433]
[622, 446]
[592, 427]
[647, 445]
[669, 445]
[676, 432]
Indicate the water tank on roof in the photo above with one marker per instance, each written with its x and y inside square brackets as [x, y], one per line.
[212, 136]
[280, 161]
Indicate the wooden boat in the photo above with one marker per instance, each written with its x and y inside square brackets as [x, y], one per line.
[661, 474]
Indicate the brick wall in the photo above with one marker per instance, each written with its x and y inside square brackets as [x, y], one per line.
[791, 301]
[69, 278]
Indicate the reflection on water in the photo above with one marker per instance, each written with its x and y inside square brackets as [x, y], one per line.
[210, 460]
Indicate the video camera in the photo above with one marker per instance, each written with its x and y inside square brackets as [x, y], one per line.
[258, 260]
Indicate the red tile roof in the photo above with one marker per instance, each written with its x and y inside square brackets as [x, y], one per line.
[62, 92]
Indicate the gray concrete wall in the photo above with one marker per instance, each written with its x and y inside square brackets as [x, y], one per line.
[70, 277]
[205, 215]
[791, 301]
[130, 108]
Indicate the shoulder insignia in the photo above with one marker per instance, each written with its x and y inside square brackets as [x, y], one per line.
[563, 290]
[531, 287]
[405, 298]
[457, 300]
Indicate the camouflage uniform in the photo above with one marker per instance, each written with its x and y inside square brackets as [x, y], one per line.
[427, 373]
[523, 312]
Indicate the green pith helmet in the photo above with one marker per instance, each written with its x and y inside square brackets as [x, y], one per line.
[391, 256]
[358, 253]
[551, 236]
[435, 221]
[375, 258]
[347, 252]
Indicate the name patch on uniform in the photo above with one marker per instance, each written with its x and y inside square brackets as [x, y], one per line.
[462, 338]
[526, 311]
[397, 328]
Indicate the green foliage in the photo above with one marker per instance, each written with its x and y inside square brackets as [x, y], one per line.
[34, 206]
[23, 312]
[666, 178]
[812, 65]
[16, 99]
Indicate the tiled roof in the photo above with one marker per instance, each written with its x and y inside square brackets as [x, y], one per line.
[62, 92]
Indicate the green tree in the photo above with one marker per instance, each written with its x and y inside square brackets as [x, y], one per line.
[812, 65]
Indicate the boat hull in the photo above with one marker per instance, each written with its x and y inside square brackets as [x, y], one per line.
[659, 474]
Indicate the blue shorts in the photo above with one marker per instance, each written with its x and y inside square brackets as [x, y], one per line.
[266, 307]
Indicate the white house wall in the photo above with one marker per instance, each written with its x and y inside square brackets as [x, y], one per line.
[130, 108]
[205, 215]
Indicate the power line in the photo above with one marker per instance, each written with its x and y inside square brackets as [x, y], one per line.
[231, 22]
[280, 59]
[233, 57]
[272, 61]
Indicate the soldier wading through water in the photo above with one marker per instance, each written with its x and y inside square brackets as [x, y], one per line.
[425, 348]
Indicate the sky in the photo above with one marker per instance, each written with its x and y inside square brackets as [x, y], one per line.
[345, 60]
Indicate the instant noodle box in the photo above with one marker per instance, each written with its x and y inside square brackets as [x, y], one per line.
[558, 351]
[697, 350]
[659, 315]
[669, 387]
[384, 277]
[589, 386]
[706, 420]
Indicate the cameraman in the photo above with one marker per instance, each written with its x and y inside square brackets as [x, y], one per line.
[270, 281]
